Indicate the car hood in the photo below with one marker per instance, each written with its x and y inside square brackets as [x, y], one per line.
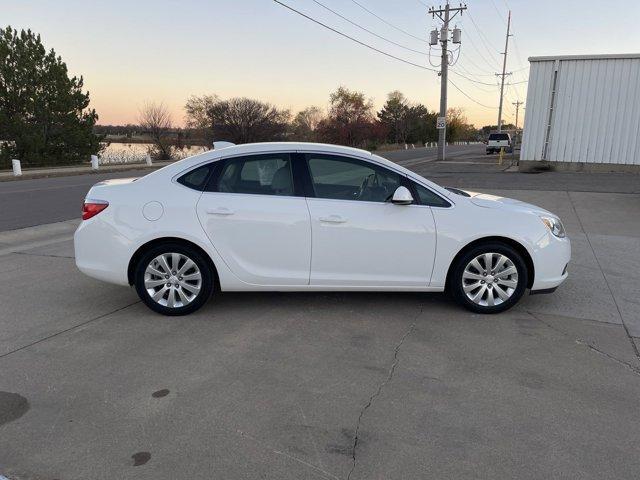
[485, 200]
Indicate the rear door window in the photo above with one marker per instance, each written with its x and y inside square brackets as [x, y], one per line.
[266, 174]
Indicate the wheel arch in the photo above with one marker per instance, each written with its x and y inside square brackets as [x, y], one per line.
[135, 258]
[519, 247]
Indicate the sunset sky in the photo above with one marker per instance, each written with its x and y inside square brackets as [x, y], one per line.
[133, 52]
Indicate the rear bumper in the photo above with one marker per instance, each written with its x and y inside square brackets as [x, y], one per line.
[101, 254]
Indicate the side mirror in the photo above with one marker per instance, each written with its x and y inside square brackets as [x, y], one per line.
[402, 196]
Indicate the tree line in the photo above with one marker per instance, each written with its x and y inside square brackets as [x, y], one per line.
[45, 118]
[350, 119]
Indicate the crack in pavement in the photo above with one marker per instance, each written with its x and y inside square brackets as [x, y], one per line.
[606, 280]
[590, 346]
[378, 391]
[44, 339]
[41, 255]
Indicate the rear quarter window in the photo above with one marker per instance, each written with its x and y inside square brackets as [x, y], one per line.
[196, 179]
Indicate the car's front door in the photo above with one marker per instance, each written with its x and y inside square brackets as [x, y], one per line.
[257, 221]
[359, 238]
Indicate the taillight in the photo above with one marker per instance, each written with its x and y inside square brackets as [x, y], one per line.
[91, 208]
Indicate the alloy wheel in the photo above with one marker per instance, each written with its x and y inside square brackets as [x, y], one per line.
[172, 280]
[490, 279]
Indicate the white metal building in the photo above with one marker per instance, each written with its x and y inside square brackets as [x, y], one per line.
[583, 109]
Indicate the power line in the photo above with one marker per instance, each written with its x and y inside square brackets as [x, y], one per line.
[477, 50]
[422, 52]
[475, 65]
[387, 22]
[484, 40]
[383, 52]
[472, 80]
[499, 12]
[354, 39]
[469, 97]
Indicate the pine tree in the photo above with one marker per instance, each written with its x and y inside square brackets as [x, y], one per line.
[44, 114]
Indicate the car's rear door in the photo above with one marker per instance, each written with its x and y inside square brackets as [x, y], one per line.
[359, 238]
[258, 220]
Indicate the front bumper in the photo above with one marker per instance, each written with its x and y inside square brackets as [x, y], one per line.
[551, 260]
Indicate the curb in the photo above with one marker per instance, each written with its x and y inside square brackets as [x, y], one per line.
[71, 171]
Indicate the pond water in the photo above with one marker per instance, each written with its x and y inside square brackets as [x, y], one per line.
[137, 152]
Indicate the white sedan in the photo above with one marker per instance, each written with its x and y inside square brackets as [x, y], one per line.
[312, 217]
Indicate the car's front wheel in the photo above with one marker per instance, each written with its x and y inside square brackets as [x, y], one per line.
[173, 279]
[489, 278]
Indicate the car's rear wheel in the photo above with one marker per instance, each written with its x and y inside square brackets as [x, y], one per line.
[173, 279]
[489, 278]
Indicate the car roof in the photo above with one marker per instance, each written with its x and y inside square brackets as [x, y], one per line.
[265, 147]
[298, 146]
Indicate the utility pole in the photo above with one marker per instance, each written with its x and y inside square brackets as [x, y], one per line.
[517, 105]
[517, 140]
[504, 72]
[444, 14]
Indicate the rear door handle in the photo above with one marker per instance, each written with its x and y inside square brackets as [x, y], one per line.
[223, 211]
[333, 219]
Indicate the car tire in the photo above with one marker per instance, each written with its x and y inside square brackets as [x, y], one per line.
[172, 289]
[502, 286]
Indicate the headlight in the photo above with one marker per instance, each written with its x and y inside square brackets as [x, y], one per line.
[554, 225]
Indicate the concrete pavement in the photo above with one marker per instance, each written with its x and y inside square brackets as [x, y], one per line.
[94, 385]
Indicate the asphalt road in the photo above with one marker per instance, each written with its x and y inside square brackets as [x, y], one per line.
[280, 385]
[27, 203]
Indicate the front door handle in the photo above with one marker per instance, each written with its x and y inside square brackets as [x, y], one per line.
[223, 211]
[333, 219]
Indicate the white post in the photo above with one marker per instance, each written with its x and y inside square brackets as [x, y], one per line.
[149, 162]
[406, 147]
[17, 169]
[95, 162]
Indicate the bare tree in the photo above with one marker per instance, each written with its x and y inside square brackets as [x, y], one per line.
[350, 120]
[196, 116]
[305, 124]
[155, 120]
[458, 126]
[244, 120]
